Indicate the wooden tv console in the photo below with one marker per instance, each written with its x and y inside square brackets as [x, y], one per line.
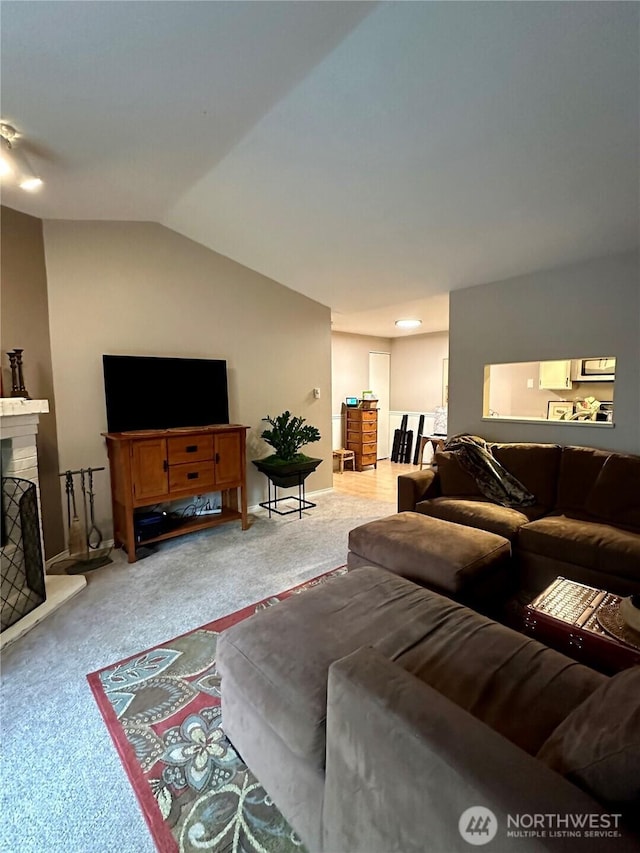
[150, 467]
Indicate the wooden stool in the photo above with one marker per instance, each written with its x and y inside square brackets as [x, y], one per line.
[436, 444]
[343, 456]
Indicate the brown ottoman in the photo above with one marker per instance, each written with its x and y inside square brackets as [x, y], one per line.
[462, 562]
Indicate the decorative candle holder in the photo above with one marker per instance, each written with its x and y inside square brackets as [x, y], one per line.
[17, 379]
[15, 387]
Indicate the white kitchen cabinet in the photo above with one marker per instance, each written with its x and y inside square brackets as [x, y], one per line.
[555, 375]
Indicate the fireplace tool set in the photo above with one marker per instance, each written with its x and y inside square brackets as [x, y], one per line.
[85, 537]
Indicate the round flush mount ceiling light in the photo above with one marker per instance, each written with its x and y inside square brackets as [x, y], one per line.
[14, 162]
[408, 324]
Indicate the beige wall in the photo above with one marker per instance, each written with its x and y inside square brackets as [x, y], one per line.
[350, 364]
[142, 289]
[25, 323]
[416, 372]
[593, 307]
[509, 394]
[416, 368]
[415, 378]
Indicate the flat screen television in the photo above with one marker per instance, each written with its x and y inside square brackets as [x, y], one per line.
[145, 392]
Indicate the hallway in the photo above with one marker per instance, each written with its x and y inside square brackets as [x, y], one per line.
[377, 483]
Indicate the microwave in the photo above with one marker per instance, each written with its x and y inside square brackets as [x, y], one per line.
[595, 370]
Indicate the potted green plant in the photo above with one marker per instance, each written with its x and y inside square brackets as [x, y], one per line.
[287, 466]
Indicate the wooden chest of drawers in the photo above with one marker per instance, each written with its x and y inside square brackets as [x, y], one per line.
[362, 436]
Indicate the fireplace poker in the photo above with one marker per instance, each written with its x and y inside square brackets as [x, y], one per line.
[76, 539]
[67, 488]
[84, 512]
[94, 530]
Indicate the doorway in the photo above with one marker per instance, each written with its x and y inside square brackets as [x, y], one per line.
[379, 378]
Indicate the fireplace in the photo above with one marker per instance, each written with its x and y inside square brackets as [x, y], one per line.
[22, 586]
[28, 594]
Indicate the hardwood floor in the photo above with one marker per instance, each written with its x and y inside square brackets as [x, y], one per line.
[379, 483]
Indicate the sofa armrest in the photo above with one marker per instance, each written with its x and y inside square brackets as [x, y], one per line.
[417, 486]
[404, 763]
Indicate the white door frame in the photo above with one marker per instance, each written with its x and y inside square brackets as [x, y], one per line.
[379, 382]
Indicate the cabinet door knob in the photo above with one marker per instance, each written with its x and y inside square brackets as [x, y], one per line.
[217, 457]
[165, 465]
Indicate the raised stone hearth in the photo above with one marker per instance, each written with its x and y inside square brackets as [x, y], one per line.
[19, 420]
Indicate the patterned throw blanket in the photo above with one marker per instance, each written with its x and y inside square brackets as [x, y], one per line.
[493, 481]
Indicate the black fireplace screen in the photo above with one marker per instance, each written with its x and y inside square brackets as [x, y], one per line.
[22, 585]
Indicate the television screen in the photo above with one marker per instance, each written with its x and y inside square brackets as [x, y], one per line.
[144, 392]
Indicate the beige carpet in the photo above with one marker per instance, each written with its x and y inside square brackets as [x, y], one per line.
[64, 789]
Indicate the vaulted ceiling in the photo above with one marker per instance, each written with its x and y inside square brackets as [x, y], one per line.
[372, 156]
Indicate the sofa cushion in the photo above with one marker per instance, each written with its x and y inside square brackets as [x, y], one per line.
[615, 496]
[597, 746]
[280, 657]
[535, 465]
[481, 513]
[514, 684]
[582, 542]
[454, 480]
[579, 470]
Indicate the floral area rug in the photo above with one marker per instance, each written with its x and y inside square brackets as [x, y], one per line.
[162, 710]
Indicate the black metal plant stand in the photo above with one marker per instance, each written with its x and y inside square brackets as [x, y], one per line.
[287, 475]
[302, 503]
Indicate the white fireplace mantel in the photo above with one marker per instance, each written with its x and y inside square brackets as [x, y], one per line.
[11, 406]
[19, 419]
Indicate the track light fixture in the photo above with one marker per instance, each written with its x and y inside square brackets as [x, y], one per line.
[14, 162]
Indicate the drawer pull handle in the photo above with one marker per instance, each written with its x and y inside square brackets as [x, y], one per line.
[193, 475]
[165, 466]
[191, 448]
[217, 459]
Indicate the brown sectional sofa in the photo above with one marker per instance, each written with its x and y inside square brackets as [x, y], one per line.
[585, 524]
[375, 712]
